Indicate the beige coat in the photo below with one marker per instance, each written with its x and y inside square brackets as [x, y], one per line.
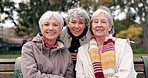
[124, 67]
[66, 38]
[41, 62]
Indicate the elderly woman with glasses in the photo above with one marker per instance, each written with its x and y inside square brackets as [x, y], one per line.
[105, 56]
[46, 56]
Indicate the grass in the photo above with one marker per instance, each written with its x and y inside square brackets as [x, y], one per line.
[13, 54]
[10, 52]
[140, 51]
[9, 56]
[139, 55]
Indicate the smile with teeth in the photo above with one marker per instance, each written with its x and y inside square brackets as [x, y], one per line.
[50, 33]
[99, 30]
[76, 30]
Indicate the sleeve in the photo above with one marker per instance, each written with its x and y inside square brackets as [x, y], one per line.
[70, 72]
[126, 66]
[29, 67]
[79, 66]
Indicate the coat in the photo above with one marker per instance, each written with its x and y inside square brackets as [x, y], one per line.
[66, 38]
[124, 67]
[41, 62]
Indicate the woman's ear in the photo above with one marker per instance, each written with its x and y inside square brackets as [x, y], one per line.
[110, 28]
[91, 28]
[61, 29]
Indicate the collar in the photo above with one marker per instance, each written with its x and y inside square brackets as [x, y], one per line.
[47, 44]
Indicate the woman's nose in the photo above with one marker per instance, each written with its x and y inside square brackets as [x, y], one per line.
[99, 23]
[50, 27]
[77, 25]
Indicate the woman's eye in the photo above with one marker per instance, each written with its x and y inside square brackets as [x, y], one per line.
[55, 24]
[46, 24]
[95, 21]
[103, 21]
[81, 22]
[73, 22]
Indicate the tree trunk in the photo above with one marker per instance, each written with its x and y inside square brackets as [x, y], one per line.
[35, 28]
[145, 43]
[145, 34]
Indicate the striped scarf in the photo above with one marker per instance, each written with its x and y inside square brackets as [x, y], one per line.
[103, 62]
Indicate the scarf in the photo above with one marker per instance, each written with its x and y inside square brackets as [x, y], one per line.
[103, 62]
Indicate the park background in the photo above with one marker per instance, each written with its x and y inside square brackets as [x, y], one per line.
[19, 21]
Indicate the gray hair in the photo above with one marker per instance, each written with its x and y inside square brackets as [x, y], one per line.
[78, 12]
[49, 14]
[107, 12]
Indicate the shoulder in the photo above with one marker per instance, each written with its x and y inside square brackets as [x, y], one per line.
[28, 44]
[84, 47]
[61, 46]
[122, 43]
[27, 48]
[83, 50]
[120, 40]
[64, 32]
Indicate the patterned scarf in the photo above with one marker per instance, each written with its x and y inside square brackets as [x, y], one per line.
[103, 62]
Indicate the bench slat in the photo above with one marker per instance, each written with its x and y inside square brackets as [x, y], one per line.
[6, 75]
[7, 61]
[141, 75]
[6, 67]
[138, 61]
[139, 67]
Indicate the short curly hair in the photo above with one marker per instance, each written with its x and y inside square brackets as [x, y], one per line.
[78, 12]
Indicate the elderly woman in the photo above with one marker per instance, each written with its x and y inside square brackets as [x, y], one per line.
[45, 56]
[76, 33]
[105, 56]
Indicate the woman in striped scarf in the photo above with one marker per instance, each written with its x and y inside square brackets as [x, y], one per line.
[105, 56]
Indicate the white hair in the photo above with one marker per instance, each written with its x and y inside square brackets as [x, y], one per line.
[49, 14]
[107, 12]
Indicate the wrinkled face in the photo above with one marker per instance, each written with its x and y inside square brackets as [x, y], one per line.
[51, 29]
[76, 26]
[100, 25]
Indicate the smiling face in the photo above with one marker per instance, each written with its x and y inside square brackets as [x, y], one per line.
[100, 25]
[51, 29]
[76, 26]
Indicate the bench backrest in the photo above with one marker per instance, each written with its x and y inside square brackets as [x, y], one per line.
[7, 68]
[13, 65]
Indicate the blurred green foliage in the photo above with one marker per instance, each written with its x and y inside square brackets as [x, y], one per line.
[10, 52]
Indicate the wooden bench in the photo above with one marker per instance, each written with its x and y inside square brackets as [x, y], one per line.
[139, 67]
[9, 68]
